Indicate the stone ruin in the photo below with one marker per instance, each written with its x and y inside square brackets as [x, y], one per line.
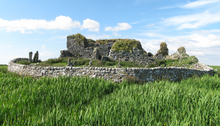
[123, 49]
[30, 56]
[36, 56]
[162, 52]
[35, 59]
[79, 46]
[180, 53]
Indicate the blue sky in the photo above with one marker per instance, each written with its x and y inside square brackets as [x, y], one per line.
[43, 25]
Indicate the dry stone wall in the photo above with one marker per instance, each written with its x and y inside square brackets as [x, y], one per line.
[114, 74]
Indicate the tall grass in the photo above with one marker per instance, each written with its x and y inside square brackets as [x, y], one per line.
[88, 101]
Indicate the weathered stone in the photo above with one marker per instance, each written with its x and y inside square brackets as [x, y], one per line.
[74, 63]
[119, 65]
[180, 53]
[90, 63]
[36, 56]
[159, 56]
[163, 51]
[30, 56]
[95, 54]
[66, 53]
[69, 63]
[146, 65]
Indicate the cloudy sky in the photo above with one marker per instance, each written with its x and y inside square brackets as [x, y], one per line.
[44, 24]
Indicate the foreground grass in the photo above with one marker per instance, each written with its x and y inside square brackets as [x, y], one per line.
[84, 101]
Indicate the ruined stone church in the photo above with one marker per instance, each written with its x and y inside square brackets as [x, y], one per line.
[105, 49]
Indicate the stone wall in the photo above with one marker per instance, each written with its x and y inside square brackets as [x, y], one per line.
[78, 47]
[136, 56]
[114, 74]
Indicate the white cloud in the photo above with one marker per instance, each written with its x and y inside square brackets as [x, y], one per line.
[95, 37]
[150, 25]
[91, 25]
[193, 21]
[45, 54]
[195, 44]
[198, 3]
[43, 47]
[9, 46]
[61, 22]
[138, 22]
[204, 32]
[120, 26]
[152, 34]
[116, 34]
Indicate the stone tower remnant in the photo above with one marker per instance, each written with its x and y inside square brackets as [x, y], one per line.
[180, 53]
[162, 52]
[36, 56]
[30, 56]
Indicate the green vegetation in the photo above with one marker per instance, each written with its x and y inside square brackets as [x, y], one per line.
[105, 41]
[78, 37]
[126, 45]
[181, 49]
[163, 45]
[90, 101]
[80, 62]
[218, 71]
[25, 62]
[187, 62]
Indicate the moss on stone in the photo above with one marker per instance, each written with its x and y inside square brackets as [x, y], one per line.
[90, 42]
[126, 45]
[163, 49]
[106, 41]
[78, 37]
[181, 50]
[163, 45]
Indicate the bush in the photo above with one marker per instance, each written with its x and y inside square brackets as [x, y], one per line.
[109, 63]
[24, 62]
[152, 65]
[160, 62]
[52, 61]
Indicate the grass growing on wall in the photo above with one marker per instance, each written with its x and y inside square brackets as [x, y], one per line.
[80, 62]
[86, 101]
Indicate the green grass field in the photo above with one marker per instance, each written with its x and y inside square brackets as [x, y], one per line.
[89, 102]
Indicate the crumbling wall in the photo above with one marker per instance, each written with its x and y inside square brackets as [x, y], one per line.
[114, 74]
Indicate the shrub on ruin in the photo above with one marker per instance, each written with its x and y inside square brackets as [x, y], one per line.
[126, 45]
[160, 62]
[163, 45]
[191, 60]
[24, 62]
[53, 61]
[181, 50]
